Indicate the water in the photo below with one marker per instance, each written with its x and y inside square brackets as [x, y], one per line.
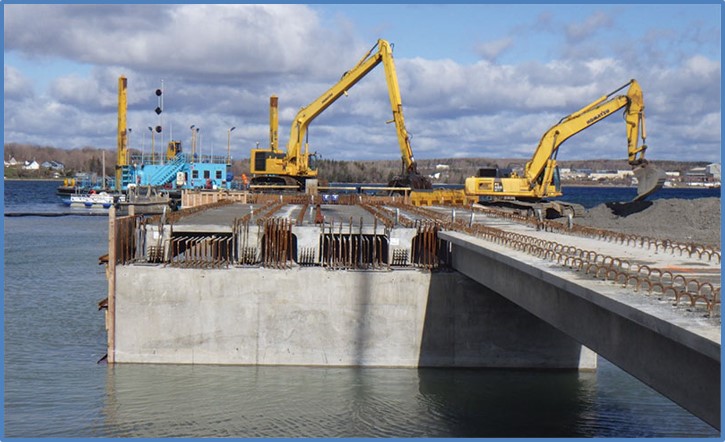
[593, 196]
[54, 387]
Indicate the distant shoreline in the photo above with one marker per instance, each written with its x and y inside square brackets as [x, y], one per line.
[35, 179]
[563, 184]
[633, 187]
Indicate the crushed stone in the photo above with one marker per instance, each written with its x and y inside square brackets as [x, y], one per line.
[681, 220]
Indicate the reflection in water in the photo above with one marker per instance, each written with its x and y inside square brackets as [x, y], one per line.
[219, 401]
[233, 401]
[507, 403]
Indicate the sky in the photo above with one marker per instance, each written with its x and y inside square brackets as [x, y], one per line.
[476, 80]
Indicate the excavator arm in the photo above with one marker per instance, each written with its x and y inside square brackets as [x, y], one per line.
[540, 179]
[295, 162]
[538, 171]
[367, 63]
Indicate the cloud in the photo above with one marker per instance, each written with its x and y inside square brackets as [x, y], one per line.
[490, 50]
[222, 41]
[221, 74]
[594, 23]
[17, 86]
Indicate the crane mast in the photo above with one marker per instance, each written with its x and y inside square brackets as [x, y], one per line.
[122, 135]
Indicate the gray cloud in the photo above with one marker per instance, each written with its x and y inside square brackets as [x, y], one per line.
[17, 86]
[222, 41]
[595, 22]
[491, 50]
[222, 74]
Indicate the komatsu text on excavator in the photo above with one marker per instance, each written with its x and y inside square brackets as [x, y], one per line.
[540, 177]
[275, 168]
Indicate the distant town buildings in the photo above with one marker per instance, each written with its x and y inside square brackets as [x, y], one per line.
[47, 168]
[706, 176]
[33, 165]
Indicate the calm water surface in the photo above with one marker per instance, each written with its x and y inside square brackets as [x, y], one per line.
[54, 387]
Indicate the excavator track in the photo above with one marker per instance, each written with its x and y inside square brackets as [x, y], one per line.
[275, 183]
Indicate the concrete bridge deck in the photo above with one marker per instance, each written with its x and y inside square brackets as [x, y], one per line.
[652, 308]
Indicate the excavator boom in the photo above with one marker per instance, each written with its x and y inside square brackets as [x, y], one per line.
[540, 175]
[296, 162]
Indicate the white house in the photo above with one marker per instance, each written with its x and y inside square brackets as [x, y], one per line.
[31, 165]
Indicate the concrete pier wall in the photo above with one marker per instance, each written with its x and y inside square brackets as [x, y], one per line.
[312, 316]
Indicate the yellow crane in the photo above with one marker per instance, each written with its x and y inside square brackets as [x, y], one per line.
[540, 177]
[274, 167]
[121, 136]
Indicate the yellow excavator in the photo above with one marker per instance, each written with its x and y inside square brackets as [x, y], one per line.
[275, 168]
[540, 177]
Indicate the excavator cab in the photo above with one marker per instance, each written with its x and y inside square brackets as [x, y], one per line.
[556, 179]
[493, 172]
[312, 161]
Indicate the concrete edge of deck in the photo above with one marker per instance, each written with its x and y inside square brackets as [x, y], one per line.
[639, 308]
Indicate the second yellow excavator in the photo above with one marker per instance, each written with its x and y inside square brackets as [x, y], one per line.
[273, 167]
[540, 177]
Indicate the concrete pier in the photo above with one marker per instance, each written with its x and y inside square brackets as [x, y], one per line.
[290, 280]
[313, 316]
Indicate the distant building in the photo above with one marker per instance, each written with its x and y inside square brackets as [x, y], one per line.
[31, 165]
[703, 175]
[53, 165]
[610, 175]
[713, 170]
[442, 167]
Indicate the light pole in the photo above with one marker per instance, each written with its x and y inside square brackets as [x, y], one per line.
[193, 146]
[229, 146]
[152, 144]
[128, 150]
[198, 144]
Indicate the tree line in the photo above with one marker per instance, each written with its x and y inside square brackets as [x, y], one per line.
[454, 170]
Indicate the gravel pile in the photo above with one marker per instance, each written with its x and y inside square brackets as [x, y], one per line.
[681, 220]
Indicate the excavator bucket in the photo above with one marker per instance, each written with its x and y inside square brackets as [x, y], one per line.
[649, 180]
[413, 180]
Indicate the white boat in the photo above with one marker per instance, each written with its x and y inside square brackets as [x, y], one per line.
[101, 200]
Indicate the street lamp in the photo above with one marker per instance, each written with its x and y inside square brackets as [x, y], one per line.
[193, 145]
[128, 146]
[229, 146]
[198, 144]
[152, 144]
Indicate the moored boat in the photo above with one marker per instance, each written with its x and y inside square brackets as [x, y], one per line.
[101, 200]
